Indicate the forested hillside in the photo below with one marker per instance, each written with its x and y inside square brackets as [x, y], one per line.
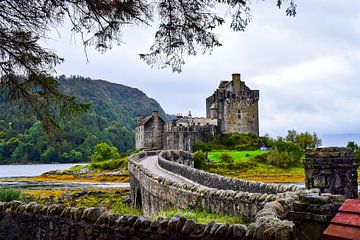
[111, 119]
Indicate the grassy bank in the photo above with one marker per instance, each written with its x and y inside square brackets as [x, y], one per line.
[246, 165]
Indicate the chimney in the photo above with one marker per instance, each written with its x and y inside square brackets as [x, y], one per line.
[236, 82]
[155, 113]
[139, 119]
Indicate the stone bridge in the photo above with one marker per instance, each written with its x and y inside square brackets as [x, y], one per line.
[167, 179]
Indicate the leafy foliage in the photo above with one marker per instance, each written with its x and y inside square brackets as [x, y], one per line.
[199, 159]
[355, 147]
[104, 152]
[304, 140]
[233, 141]
[111, 119]
[10, 194]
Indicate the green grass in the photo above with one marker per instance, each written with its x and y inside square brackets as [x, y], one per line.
[10, 194]
[236, 155]
[200, 216]
[104, 165]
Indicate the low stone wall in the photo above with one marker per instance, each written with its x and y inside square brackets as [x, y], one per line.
[57, 222]
[178, 156]
[218, 181]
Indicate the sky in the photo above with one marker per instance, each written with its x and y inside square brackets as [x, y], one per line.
[306, 68]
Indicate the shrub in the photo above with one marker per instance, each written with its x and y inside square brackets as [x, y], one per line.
[226, 158]
[199, 159]
[200, 145]
[281, 159]
[10, 194]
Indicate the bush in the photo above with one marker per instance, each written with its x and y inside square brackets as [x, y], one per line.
[200, 145]
[226, 158]
[199, 159]
[281, 159]
[10, 194]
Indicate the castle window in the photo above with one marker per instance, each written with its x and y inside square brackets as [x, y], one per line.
[239, 113]
[233, 95]
[228, 94]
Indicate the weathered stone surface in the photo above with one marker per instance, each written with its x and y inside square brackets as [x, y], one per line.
[332, 170]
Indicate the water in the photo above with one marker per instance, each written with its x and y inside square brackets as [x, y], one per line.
[61, 185]
[31, 170]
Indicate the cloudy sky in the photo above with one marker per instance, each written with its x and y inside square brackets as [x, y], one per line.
[307, 68]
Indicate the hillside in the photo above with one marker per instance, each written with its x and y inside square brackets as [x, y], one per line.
[111, 119]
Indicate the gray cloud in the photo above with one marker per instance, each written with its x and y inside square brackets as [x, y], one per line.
[305, 67]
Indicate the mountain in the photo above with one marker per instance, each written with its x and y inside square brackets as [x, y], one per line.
[111, 119]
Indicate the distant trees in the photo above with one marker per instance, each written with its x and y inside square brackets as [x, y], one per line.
[355, 147]
[305, 140]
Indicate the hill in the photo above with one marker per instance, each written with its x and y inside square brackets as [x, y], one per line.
[111, 119]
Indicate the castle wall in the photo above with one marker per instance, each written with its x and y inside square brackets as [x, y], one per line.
[149, 133]
[183, 138]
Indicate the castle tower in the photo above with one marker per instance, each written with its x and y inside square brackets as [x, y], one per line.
[235, 106]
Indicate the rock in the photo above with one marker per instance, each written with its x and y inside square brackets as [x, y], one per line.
[180, 224]
[85, 171]
[239, 231]
[188, 226]
[91, 214]
[173, 222]
[221, 231]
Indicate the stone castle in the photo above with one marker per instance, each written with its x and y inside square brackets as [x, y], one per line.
[232, 108]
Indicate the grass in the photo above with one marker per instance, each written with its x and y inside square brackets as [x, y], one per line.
[103, 165]
[113, 200]
[236, 155]
[246, 167]
[10, 194]
[200, 216]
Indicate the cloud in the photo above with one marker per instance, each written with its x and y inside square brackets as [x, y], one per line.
[306, 67]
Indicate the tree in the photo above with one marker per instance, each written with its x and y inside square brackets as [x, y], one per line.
[104, 152]
[304, 140]
[185, 27]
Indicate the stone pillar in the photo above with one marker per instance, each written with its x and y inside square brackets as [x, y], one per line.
[332, 170]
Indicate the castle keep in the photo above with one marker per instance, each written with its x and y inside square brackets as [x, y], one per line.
[232, 108]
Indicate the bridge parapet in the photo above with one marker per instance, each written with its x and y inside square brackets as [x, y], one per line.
[274, 215]
[217, 181]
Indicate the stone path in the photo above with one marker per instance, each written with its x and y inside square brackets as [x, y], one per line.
[151, 163]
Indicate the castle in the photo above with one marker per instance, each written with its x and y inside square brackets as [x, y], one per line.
[232, 108]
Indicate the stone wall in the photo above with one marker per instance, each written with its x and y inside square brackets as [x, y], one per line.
[332, 170]
[183, 138]
[57, 222]
[217, 181]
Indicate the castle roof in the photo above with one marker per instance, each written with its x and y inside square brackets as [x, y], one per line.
[148, 118]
